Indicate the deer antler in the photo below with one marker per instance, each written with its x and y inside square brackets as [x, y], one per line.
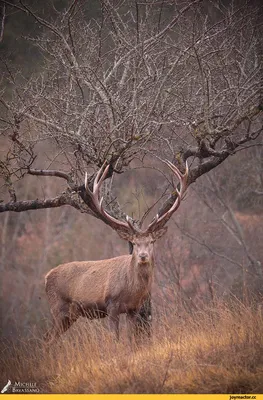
[97, 202]
[159, 222]
[128, 225]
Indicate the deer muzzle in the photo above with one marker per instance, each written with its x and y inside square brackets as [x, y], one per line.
[143, 257]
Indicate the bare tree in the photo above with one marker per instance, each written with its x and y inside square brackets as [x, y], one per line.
[180, 80]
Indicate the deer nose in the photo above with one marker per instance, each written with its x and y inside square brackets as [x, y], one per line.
[143, 256]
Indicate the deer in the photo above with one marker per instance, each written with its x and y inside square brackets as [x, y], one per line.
[111, 287]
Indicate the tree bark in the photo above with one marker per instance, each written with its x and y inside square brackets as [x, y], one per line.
[37, 204]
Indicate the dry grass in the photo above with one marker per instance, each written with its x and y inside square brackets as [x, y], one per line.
[218, 350]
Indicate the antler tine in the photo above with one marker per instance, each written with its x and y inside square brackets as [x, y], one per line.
[101, 175]
[97, 203]
[99, 178]
[160, 221]
[177, 172]
[86, 182]
[129, 221]
[173, 168]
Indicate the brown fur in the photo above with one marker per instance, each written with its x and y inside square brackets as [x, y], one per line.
[96, 289]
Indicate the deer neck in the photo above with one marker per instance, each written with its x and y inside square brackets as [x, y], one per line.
[142, 273]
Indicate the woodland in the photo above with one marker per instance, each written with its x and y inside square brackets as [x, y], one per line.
[133, 83]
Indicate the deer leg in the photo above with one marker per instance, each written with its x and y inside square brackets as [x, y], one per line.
[132, 326]
[131, 318]
[114, 325]
[114, 318]
[63, 317]
[60, 325]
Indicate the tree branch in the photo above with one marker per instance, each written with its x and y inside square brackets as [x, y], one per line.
[58, 174]
[25, 205]
[215, 159]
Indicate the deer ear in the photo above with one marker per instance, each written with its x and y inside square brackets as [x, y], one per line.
[125, 236]
[159, 233]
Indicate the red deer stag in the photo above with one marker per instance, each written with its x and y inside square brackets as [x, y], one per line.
[96, 289]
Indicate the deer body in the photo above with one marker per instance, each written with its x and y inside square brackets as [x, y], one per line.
[95, 284]
[96, 289]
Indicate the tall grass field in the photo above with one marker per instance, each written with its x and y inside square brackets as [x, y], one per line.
[216, 350]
